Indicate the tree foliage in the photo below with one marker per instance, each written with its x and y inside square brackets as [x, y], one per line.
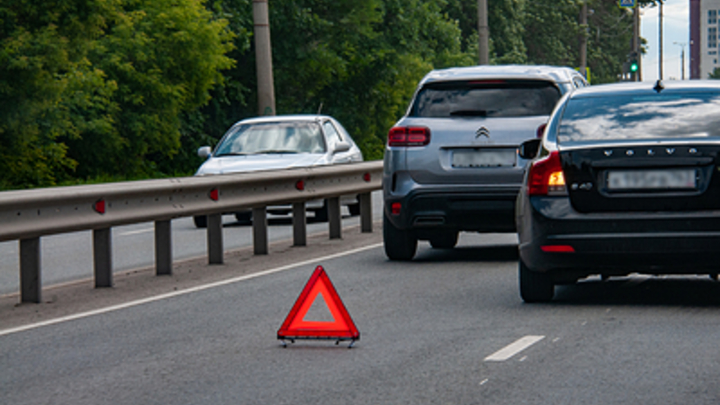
[96, 89]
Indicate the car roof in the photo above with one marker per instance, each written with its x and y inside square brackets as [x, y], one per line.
[648, 87]
[557, 74]
[285, 118]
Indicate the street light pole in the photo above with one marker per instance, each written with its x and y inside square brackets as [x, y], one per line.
[682, 58]
[263, 58]
[483, 34]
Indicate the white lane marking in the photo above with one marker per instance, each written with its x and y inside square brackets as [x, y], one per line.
[128, 233]
[183, 292]
[514, 348]
[483, 382]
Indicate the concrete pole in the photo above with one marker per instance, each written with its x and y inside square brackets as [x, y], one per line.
[660, 42]
[483, 34]
[583, 39]
[263, 58]
[636, 42]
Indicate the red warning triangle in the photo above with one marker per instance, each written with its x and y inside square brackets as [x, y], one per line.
[319, 287]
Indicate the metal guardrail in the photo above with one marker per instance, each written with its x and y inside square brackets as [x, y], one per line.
[27, 215]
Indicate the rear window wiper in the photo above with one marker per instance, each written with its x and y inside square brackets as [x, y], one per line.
[472, 113]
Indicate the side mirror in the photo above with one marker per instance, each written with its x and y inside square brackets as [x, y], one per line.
[529, 149]
[342, 147]
[204, 152]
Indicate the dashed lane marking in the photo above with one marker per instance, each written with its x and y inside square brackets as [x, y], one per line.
[514, 348]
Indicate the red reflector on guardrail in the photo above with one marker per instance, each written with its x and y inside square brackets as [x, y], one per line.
[214, 194]
[99, 206]
[367, 177]
[300, 185]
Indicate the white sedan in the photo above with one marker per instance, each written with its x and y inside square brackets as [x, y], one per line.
[281, 142]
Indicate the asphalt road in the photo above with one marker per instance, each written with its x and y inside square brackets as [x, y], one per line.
[447, 328]
[68, 257]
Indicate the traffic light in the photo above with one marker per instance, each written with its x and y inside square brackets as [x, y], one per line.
[633, 62]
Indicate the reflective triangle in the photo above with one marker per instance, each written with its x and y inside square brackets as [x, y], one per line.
[319, 287]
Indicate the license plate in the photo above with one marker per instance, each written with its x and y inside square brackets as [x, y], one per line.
[484, 158]
[651, 179]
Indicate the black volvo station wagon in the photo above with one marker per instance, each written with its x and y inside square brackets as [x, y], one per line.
[626, 179]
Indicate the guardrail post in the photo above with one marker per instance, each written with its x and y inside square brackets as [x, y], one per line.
[163, 248]
[260, 230]
[334, 219]
[102, 256]
[215, 239]
[30, 288]
[366, 213]
[299, 216]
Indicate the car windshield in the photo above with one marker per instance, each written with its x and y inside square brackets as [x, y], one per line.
[486, 98]
[273, 137]
[632, 117]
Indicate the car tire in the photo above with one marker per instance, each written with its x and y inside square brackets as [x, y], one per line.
[354, 209]
[444, 240]
[200, 221]
[243, 216]
[535, 286]
[399, 244]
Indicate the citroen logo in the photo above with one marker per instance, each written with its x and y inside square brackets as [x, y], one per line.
[482, 131]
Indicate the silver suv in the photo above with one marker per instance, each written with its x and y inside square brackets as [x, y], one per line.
[451, 162]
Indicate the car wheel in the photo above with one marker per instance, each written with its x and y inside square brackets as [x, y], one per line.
[535, 286]
[444, 240]
[200, 221]
[321, 215]
[354, 209]
[399, 244]
[243, 216]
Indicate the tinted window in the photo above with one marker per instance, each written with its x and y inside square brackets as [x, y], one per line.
[496, 98]
[276, 137]
[669, 115]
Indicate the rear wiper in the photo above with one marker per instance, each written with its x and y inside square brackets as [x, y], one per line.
[471, 113]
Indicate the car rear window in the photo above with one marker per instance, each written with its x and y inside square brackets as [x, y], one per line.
[629, 117]
[486, 98]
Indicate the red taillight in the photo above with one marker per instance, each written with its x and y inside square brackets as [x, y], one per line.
[395, 208]
[546, 176]
[409, 136]
[557, 249]
[541, 130]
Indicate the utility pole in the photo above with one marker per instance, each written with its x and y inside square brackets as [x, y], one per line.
[483, 34]
[263, 58]
[682, 58]
[660, 41]
[636, 41]
[583, 38]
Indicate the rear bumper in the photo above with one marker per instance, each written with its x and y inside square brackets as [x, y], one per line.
[457, 208]
[616, 244]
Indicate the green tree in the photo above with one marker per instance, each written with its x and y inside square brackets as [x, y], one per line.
[715, 74]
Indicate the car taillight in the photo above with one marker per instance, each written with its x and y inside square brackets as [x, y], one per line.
[409, 136]
[546, 176]
[541, 130]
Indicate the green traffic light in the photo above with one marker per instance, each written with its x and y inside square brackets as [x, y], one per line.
[633, 67]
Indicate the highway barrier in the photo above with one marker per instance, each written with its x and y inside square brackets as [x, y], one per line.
[27, 215]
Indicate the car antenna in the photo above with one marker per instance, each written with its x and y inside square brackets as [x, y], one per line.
[320, 108]
[659, 86]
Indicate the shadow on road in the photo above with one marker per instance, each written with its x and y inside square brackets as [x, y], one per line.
[499, 253]
[689, 291]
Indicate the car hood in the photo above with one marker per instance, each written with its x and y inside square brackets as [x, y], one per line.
[253, 163]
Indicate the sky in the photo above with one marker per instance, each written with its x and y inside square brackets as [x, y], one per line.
[676, 30]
